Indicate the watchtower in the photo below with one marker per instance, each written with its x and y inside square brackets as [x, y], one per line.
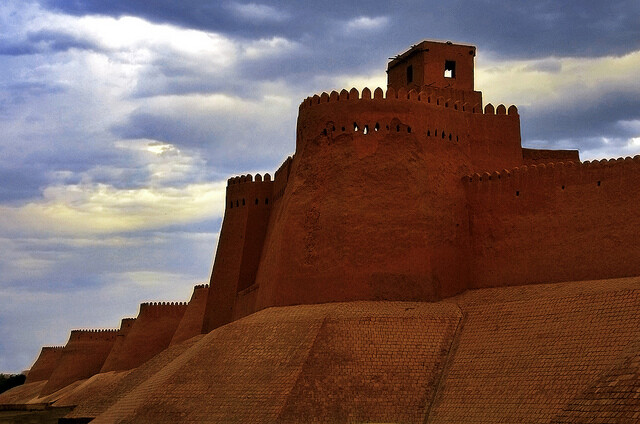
[436, 65]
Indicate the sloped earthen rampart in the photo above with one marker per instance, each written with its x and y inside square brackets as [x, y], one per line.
[555, 222]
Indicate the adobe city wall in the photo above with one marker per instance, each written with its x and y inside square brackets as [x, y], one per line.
[83, 356]
[555, 222]
[45, 364]
[150, 334]
[248, 207]
[191, 322]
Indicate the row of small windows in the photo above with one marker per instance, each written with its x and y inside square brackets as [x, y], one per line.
[243, 202]
[376, 128]
[563, 187]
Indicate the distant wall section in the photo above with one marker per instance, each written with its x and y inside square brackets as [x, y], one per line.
[555, 222]
[83, 356]
[248, 206]
[45, 364]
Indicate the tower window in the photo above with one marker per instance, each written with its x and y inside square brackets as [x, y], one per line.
[409, 74]
[449, 69]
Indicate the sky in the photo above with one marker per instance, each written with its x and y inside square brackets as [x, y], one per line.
[121, 120]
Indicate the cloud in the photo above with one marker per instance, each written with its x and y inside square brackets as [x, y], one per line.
[258, 13]
[101, 208]
[569, 102]
[366, 24]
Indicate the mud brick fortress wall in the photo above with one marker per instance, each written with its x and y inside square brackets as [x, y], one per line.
[394, 269]
[418, 193]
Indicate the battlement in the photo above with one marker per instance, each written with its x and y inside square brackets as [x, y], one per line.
[201, 286]
[559, 172]
[84, 335]
[155, 309]
[426, 95]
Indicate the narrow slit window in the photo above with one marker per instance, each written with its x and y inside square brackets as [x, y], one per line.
[256, 201]
[377, 127]
[449, 69]
[266, 200]
[355, 127]
[365, 130]
[409, 74]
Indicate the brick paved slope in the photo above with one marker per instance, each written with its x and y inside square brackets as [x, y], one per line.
[104, 392]
[524, 353]
[374, 369]
[22, 394]
[257, 369]
[556, 353]
[613, 398]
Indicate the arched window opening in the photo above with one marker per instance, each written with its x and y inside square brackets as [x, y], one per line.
[397, 128]
[256, 200]
[355, 127]
[377, 127]
[365, 130]
[428, 133]
[237, 203]
[243, 204]
[409, 129]
[449, 136]
[230, 205]
[266, 200]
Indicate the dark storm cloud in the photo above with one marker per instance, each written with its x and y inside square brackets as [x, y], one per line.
[513, 28]
[39, 42]
[229, 143]
[599, 118]
[20, 183]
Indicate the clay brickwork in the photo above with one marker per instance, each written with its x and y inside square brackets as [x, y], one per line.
[191, 322]
[83, 356]
[613, 397]
[101, 393]
[525, 358]
[555, 222]
[536, 156]
[382, 369]
[150, 334]
[259, 376]
[45, 364]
